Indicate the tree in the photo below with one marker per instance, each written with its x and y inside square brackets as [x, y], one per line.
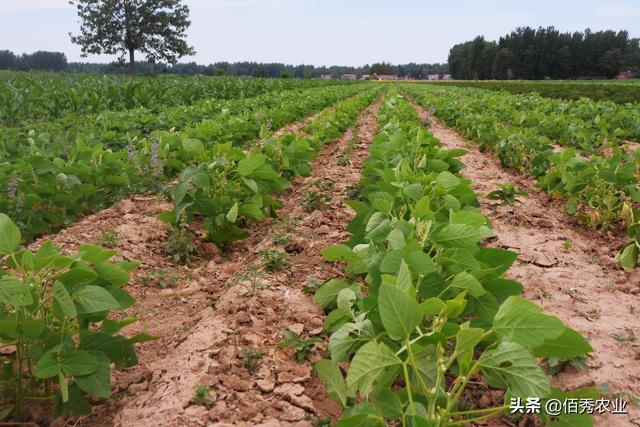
[7, 60]
[154, 27]
[42, 60]
[383, 68]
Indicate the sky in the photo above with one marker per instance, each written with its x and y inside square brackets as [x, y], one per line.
[327, 32]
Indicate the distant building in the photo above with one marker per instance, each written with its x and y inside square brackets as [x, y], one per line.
[326, 76]
[365, 77]
[623, 75]
[446, 77]
[433, 77]
[349, 77]
[384, 77]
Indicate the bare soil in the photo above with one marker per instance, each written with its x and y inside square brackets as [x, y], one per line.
[582, 284]
[208, 314]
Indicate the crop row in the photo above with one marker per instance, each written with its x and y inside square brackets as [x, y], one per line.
[601, 190]
[426, 309]
[584, 124]
[55, 309]
[225, 187]
[51, 178]
[46, 96]
[598, 91]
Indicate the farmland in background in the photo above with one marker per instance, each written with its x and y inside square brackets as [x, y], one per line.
[186, 250]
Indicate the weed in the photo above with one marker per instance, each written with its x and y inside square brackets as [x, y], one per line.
[273, 260]
[343, 161]
[624, 339]
[251, 357]
[567, 244]
[593, 314]
[251, 280]
[108, 239]
[542, 293]
[557, 365]
[160, 278]
[180, 246]
[314, 201]
[302, 347]
[354, 192]
[507, 193]
[203, 396]
[313, 283]
[318, 422]
[631, 308]
[324, 185]
[281, 239]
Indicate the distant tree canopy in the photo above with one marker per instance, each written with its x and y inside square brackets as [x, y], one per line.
[40, 60]
[11, 61]
[527, 53]
[154, 27]
[383, 68]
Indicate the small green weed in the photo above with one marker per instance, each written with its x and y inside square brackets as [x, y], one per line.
[302, 347]
[273, 260]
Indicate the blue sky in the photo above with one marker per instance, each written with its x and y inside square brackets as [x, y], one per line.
[327, 32]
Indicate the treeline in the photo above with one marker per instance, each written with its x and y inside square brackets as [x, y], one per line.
[57, 61]
[40, 60]
[527, 53]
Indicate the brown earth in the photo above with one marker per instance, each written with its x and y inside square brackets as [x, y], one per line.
[581, 284]
[208, 314]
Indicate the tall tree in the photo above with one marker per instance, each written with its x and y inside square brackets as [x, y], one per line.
[154, 27]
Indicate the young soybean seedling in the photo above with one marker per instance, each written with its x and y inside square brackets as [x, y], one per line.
[507, 193]
[302, 347]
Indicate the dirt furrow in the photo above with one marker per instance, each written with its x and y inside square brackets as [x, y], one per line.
[567, 269]
[221, 323]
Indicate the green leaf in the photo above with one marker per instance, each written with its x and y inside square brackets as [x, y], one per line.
[112, 273]
[339, 253]
[10, 236]
[47, 366]
[32, 328]
[327, 295]
[192, 146]
[14, 292]
[63, 300]
[404, 281]
[468, 338]
[370, 360]
[469, 283]
[232, 215]
[523, 322]
[432, 306]
[447, 180]
[395, 239]
[399, 312]
[513, 365]
[95, 254]
[93, 299]
[330, 373]
[79, 362]
[456, 236]
[388, 403]
[628, 257]
[567, 345]
[97, 383]
[77, 277]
